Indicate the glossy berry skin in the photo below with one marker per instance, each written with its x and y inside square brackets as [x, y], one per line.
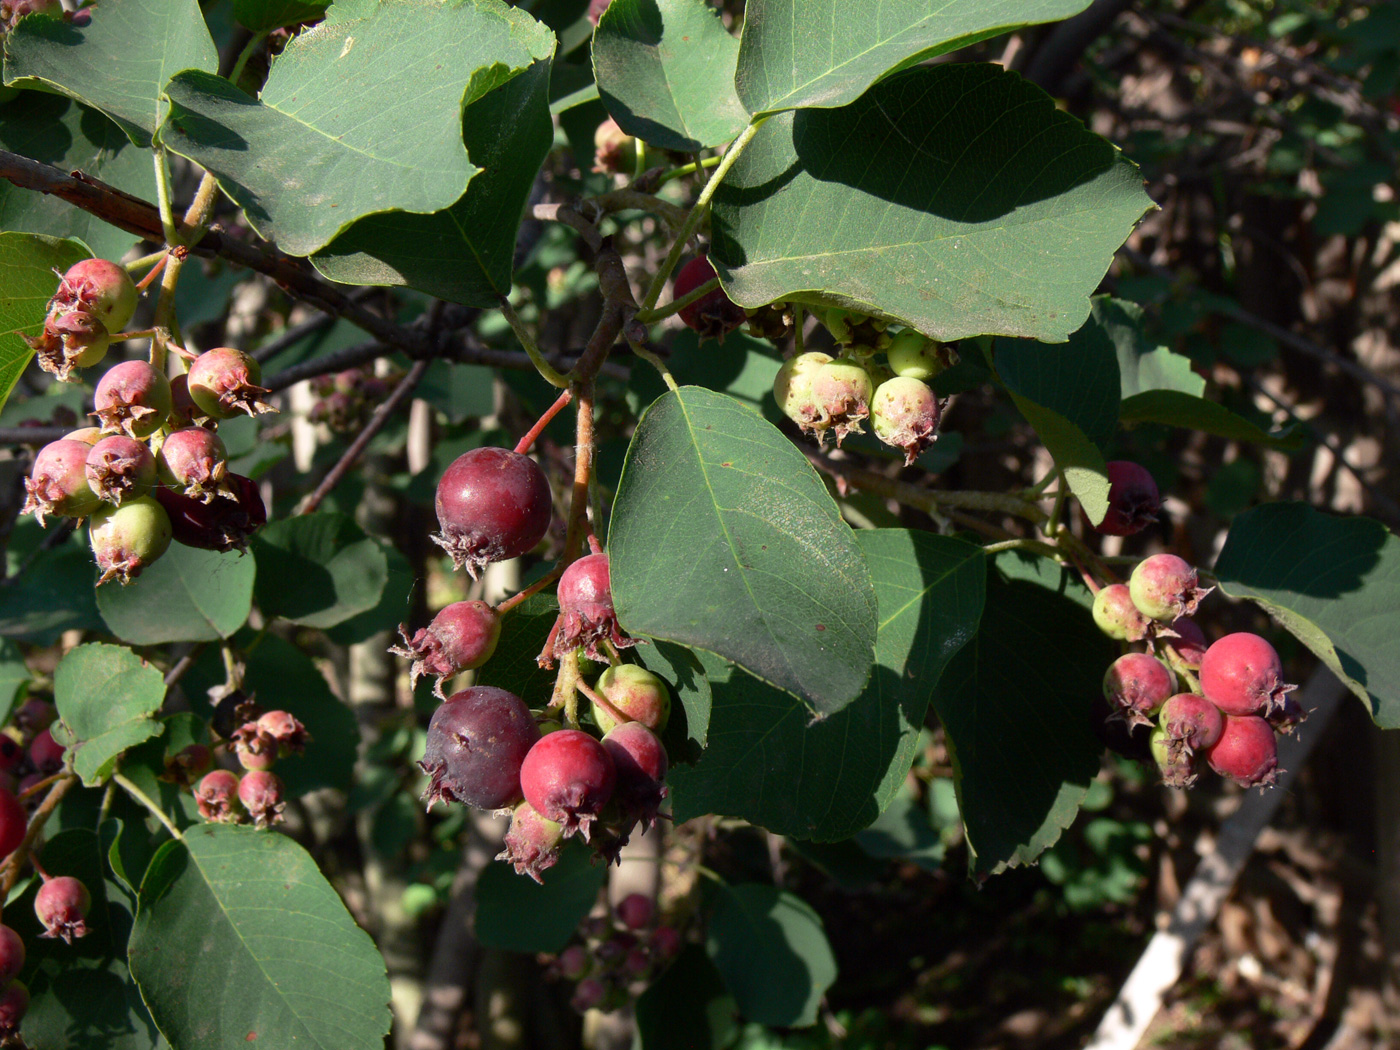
[262, 796]
[132, 398]
[843, 390]
[568, 777]
[11, 955]
[635, 693]
[62, 904]
[792, 390]
[101, 289]
[46, 753]
[1247, 751]
[14, 1004]
[127, 539]
[1243, 675]
[1191, 721]
[492, 504]
[905, 414]
[1137, 685]
[217, 797]
[714, 315]
[193, 460]
[586, 616]
[462, 637]
[120, 468]
[532, 843]
[58, 482]
[913, 355]
[1165, 588]
[642, 764]
[635, 911]
[1117, 616]
[1183, 645]
[223, 383]
[13, 822]
[224, 523]
[477, 742]
[1133, 500]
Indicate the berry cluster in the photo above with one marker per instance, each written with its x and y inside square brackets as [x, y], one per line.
[345, 401]
[618, 956]
[1237, 698]
[257, 739]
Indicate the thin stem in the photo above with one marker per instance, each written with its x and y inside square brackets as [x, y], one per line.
[1022, 545]
[686, 169]
[551, 374]
[246, 54]
[698, 211]
[137, 265]
[527, 442]
[529, 592]
[583, 471]
[159, 259]
[1191, 679]
[167, 217]
[602, 702]
[654, 359]
[145, 800]
[675, 306]
[926, 499]
[43, 785]
[566, 688]
[1049, 527]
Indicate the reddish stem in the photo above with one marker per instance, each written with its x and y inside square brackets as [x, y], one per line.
[515, 599]
[612, 712]
[145, 282]
[528, 441]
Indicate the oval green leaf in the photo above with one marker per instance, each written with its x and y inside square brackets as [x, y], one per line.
[989, 211]
[665, 70]
[240, 940]
[105, 695]
[799, 53]
[1334, 583]
[187, 595]
[318, 569]
[724, 538]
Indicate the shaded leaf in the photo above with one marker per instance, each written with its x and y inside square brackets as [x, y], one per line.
[555, 908]
[105, 695]
[259, 15]
[1177, 409]
[187, 595]
[691, 699]
[998, 215]
[27, 283]
[14, 678]
[687, 1007]
[724, 538]
[318, 569]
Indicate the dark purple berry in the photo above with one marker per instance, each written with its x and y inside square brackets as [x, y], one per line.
[126, 539]
[462, 637]
[46, 753]
[223, 383]
[586, 616]
[1133, 500]
[714, 315]
[261, 793]
[13, 823]
[222, 524]
[492, 504]
[1243, 675]
[532, 843]
[477, 742]
[58, 482]
[62, 904]
[568, 777]
[120, 468]
[635, 911]
[132, 398]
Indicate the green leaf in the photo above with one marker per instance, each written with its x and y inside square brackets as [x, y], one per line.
[261, 15]
[903, 832]
[1174, 408]
[118, 64]
[1334, 583]
[771, 950]
[318, 569]
[391, 610]
[71, 137]
[687, 1007]
[14, 678]
[334, 136]
[1069, 393]
[799, 53]
[239, 939]
[514, 666]
[1141, 365]
[54, 594]
[665, 70]
[1015, 704]
[458, 391]
[989, 212]
[724, 538]
[768, 763]
[188, 595]
[555, 908]
[105, 695]
[27, 283]
[464, 254]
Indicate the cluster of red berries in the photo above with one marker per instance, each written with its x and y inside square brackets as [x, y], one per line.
[618, 956]
[62, 905]
[257, 739]
[28, 751]
[345, 401]
[155, 468]
[1237, 698]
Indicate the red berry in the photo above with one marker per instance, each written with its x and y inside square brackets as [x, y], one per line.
[586, 611]
[665, 942]
[120, 468]
[217, 797]
[132, 398]
[193, 460]
[58, 484]
[223, 382]
[1133, 500]
[1165, 588]
[34, 715]
[636, 694]
[1177, 764]
[46, 753]
[13, 823]
[285, 731]
[492, 504]
[127, 539]
[14, 1004]
[905, 415]
[99, 288]
[1247, 751]
[1117, 616]
[713, 315]
[462, 637]
[1242, 675]
[254, 747]
[1137, 685]
[635, 911]
[261, 793]
[224, 523]
[641, 763]
[1191, 722]
[62, 904]
[532, 843]
[477, 741]
[11, 955]
[568, 777]
[187, 764]
[183, 410]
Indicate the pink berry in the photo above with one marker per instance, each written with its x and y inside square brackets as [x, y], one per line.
[568, 777]
[1191, 721]
[11, 955]
[792, 390]
[477, 742]
[99, 288]
[223, 383]
[462, 637]
[635, 911]
[1166, 588]
[46, 753]
[285, 731]
[1137, 685]
[127, 539]
[1242, 675]
[842, 390]
[641, 763]
[586, 616]
[714, 315]
[532, 843]
[492, 504]
[13, 824]
[614, 151]
[132, 398]
[596, 9]
[262, 794]
[1247, 751]
[1133, 500]
[905, 413]
[636, 694]
[14, 1004]
[120, 468]
[188, 764]
[70, 339]
[217, 797]
[62, 904]
[194, 461]
[58, 482]
[1117, 616]
[1185, 646]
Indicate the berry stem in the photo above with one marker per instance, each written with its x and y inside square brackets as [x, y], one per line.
[527, 442]
[516, 599]
[566, 688]
[686, 169]
[160, 258]
[43, 785]
[551, 374]
[1049, 525]
[145, 800]
[675, 306]
[612, 712]
[41, 816]
[1044, 549]
[583, 472]
[651, 357]
[248, 50]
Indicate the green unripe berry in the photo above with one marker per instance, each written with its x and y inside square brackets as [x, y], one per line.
[914, 356]
[635, 693]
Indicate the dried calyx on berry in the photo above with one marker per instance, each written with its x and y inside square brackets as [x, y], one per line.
[62, 905]
[792, 390]
[101, 289]
[58, 483]
[532, 843]
[713, 315]
[1247, 751]
[462, 637]
[492, 504]
[127, 539]
[120, 468]
[70, 339]
[223, 383]
[1133, 500]
[193, 460]
[1242, 674]
[262, 796]
[905, 415]
[568, 777]
[1166, 588]
[217, 797]
[586, 615]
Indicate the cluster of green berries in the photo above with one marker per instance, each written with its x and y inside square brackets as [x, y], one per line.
[617, 956]
[1237, 699]
[256, 739]
[154, 469]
